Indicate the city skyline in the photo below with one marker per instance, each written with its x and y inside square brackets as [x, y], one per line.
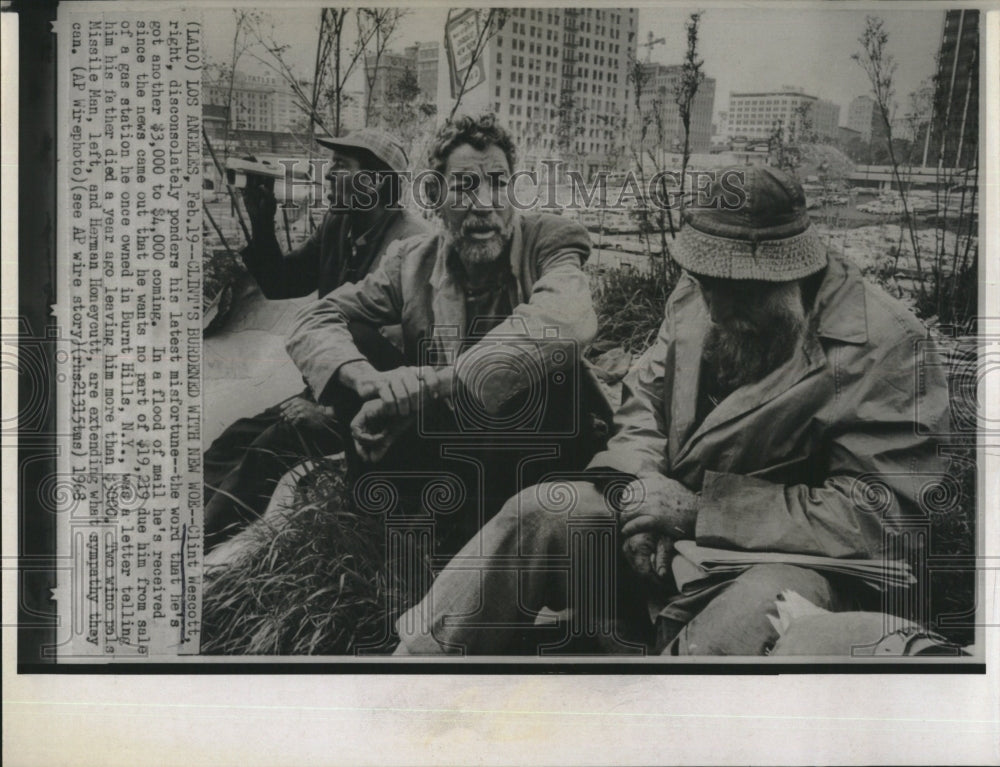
[806, 47]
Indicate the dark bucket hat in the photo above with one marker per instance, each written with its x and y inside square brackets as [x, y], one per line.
[768, 237]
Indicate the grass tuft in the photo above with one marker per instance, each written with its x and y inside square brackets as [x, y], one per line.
[313, 581]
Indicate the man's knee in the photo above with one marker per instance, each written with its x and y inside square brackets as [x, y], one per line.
[737, 621]
[761, 584]
[546, 510]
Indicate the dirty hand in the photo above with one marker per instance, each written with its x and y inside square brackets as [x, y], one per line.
[400, 390]
[303, 412]
[661, 506]
[649, 556]
[375, 428]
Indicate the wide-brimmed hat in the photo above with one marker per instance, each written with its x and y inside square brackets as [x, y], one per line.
[378, 142]
[753, 225]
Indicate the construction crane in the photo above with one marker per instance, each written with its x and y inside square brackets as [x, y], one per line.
[650, 42]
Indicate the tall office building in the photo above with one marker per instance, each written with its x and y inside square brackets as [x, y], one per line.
[864, 117]
[955, 132]
[557, 78]
[825, 119]
[660, 83]
[757, 115]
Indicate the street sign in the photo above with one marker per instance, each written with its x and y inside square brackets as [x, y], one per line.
[462, 33]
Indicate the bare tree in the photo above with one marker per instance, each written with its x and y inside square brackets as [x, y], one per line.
[385, 21]
[880, 67]
[686, 89]
[322, 99]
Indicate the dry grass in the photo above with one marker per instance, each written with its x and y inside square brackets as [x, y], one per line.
[629, 305]
[315, 582]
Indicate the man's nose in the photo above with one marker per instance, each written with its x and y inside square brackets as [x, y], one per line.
[483, 198]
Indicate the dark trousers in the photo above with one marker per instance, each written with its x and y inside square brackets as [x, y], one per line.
[454, 473]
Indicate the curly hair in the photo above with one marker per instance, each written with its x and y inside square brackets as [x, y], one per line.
[480, 133]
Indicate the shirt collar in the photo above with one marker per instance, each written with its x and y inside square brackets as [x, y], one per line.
[840, 308]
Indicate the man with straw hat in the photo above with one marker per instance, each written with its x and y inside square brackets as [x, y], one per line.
[243, 465]
[787, 408]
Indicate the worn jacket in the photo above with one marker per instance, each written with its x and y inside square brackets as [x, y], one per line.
[330, 257]
[817, 457]
[550, 296]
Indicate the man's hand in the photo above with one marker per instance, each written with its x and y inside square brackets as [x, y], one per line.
[649, 557]
[400, 390]
[660, 506]
[303, 412]
[375, 428]
[261, 204]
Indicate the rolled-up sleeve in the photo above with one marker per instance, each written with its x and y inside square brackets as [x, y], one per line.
[883, 466]
[320, 342]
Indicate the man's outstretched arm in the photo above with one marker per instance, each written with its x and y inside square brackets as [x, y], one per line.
[320, 342]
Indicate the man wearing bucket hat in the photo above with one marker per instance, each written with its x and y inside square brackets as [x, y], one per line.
[784, 409]
[364, 217]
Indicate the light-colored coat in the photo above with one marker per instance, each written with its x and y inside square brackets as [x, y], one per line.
[818, 456]
[413, 286]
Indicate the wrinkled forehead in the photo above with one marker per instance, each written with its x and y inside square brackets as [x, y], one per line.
[465, 158]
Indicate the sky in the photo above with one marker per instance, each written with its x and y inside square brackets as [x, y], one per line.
[805, 45]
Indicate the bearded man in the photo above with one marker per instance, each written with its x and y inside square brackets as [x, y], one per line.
[493, 308]
[781, 394]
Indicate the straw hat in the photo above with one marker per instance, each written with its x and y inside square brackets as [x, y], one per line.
[766, 236]
[378, 142]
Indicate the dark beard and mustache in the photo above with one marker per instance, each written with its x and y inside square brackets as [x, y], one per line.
[473, 252]
[743, 349]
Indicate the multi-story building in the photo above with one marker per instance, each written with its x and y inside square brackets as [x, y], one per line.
[657, 96]
[825, 119]
[257, 102]
[757, 115]
[864, 117]
[860, 113]
[420, 59]
[427, 58]
[381, 79]
[557, 78]
[955, 132]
